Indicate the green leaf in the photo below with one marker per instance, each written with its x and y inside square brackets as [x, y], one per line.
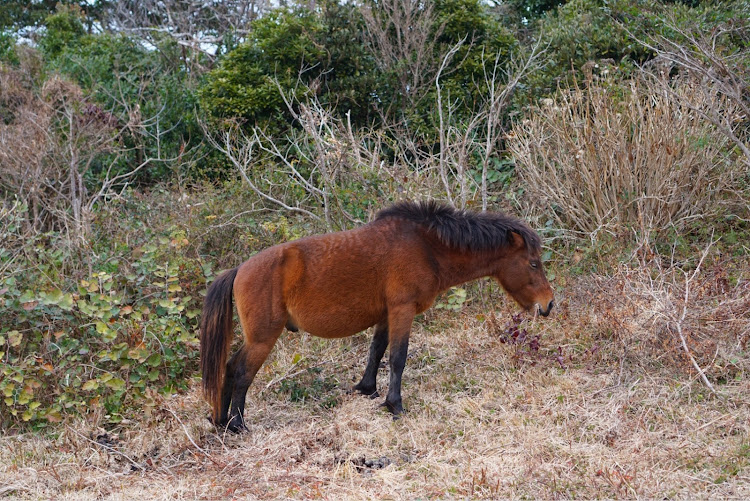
[116, 383]
[107, 333]
[52, 297]
[91, 385]
[54, 416]
[66, 303]
[15, 338]
[154, 360]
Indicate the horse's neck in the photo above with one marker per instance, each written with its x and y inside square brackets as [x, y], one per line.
[460, 267]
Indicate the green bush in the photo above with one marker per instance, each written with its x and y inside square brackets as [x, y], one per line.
[63, 29]
[317, 52]
[110, 343]
[147, 89]
[591, 36]
[323, 53]
[8, 48]
[463, 80]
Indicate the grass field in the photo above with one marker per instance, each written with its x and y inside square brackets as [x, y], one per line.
[603, 404]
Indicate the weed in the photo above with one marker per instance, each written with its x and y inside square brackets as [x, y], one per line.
[526, 346]
[311, 386]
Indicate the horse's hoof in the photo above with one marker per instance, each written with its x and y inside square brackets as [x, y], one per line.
[237, 429]
[394, 408]
[369, 392]
[231, 427]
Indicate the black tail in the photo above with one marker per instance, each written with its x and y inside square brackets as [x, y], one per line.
[216, 337]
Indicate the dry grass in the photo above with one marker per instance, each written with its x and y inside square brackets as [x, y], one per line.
[620, 420]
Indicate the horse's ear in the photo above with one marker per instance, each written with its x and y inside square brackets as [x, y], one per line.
[516, 240]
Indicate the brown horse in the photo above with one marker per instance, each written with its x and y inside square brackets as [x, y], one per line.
[335, 285]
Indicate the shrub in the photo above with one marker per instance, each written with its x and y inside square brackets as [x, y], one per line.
[64, 28]
[628, 154]
[113, 341]
[7, 48]
[150, 90]
[584, 33]
[319, 52]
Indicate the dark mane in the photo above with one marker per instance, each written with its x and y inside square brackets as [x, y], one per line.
[463, 229]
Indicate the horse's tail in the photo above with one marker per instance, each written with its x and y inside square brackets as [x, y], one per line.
[216, 337]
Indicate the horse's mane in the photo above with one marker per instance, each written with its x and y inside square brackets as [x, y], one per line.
[463, 229]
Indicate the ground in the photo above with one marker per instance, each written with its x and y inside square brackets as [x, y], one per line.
[493, 411]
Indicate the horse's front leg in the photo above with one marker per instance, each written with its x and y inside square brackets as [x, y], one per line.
[399, 322]
[368, 383]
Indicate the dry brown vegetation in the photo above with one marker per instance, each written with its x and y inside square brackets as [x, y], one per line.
[596, 157]
[608, 406]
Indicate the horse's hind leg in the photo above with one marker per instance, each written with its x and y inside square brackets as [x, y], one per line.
[247, 362]
[368, 385]
[226, 390]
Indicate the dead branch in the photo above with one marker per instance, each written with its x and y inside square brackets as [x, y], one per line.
[402, 36]
[701, 57]
[239, 148]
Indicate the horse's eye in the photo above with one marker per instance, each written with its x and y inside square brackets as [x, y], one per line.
[534, 265]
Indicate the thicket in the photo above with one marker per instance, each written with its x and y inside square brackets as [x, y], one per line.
[140, 152]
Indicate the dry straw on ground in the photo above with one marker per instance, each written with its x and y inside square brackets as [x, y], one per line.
[625, 418]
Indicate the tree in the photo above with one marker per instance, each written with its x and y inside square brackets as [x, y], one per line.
[63, 28]
[318, 52]
[402, 36]
[202, 28]
[23, 16]
[138, 85]
[717, 64]
[409, 40]
[49, 147]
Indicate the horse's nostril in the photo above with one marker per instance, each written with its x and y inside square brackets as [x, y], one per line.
[546, 312]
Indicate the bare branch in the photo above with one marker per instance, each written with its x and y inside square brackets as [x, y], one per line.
[238, 148]
[402, 36]
[197, 25]
[703, 58]
[442, 131]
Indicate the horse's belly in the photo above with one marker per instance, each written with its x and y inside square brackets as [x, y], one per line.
[329, 323]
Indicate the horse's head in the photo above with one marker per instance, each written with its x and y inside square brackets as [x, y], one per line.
[522, 276]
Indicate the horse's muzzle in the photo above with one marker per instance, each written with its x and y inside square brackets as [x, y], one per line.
[546, 312]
